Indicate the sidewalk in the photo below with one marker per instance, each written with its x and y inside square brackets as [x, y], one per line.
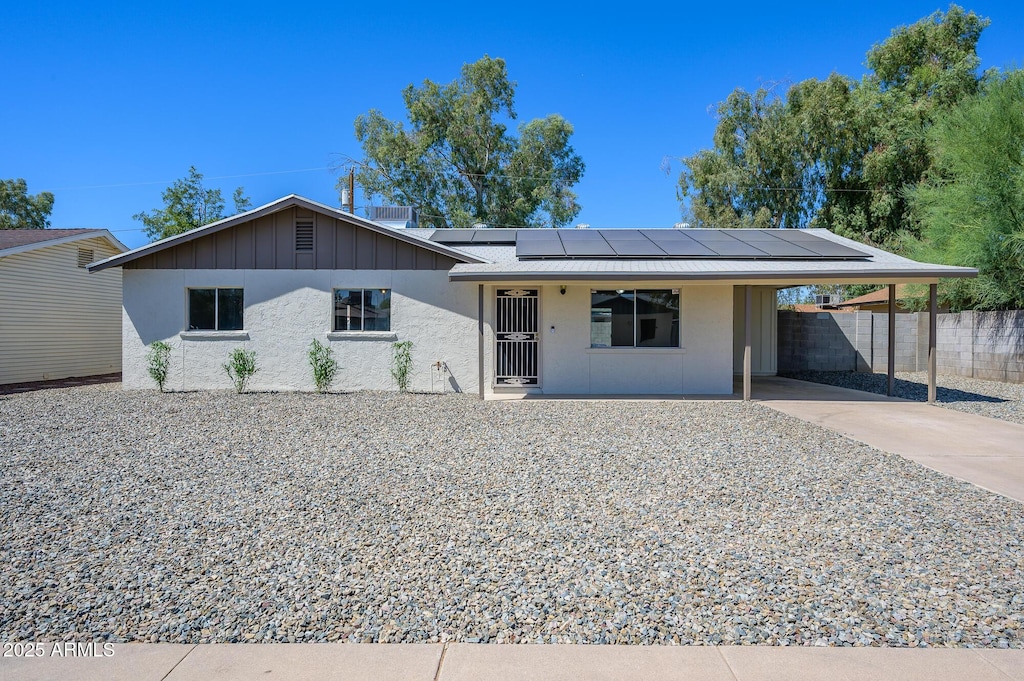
[490, 662]
[984, 451]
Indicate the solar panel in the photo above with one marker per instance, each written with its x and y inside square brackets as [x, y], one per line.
[779, 248]
[637, 248]
[676, 244]
[453, 236]
[621, 234]
[538, 243]
[705, 235]
[830, 249]
[582, 243]
[734, 249]
[495, 236]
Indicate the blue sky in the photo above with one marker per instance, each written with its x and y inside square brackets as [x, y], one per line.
[108, 103]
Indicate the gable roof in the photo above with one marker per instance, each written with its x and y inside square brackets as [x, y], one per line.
[21, 240]
[292, 200]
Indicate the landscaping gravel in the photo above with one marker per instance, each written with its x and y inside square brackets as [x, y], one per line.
[988, 398]
[206, 517]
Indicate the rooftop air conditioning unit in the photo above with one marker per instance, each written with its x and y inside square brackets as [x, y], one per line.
[827, 300]
[400, 217]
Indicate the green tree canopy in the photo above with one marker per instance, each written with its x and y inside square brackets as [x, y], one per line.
[971, 205]
[19, 210]
[838, 152]
[457, 163]
[188, 205]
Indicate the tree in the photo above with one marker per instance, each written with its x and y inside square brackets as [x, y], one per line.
[188, 205]
[971, 204]
[839, 152]
[458, 164]
[19, 210]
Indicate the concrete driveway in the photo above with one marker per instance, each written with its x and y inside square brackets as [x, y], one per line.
[986, 452]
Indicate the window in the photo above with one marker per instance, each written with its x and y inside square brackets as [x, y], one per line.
[215, 309]
[362, 309]
[626, 318]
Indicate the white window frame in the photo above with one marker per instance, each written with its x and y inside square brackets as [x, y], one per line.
[362, 334]
[635, 347]
[216, 310]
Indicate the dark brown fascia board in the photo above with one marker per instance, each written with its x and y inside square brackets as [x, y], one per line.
[918, 276]
[274, 207]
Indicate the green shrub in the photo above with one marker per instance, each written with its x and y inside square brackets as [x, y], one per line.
[240, 367]
[158, 362]
[325, 367]
[401, 364]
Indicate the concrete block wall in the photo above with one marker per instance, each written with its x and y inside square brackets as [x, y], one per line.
[988, 345]
[817, 341]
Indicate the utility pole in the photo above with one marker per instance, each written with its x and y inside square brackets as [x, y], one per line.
[352, 190]
[348, 196]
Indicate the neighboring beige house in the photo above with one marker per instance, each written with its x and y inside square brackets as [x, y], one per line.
[56, 319]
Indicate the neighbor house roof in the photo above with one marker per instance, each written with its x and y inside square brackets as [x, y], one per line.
[20, 240]
[875, 297]
[874, 265]
[281, 204]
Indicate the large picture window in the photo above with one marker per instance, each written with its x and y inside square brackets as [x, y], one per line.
[215, 309]
[632, 318]
[362, 309]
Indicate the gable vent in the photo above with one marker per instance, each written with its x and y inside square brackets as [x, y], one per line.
[85, 256]
[304, 235]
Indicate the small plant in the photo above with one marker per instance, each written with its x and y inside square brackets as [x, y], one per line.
[325, 367]
[401, 364]
[240, 367]
[158, 362]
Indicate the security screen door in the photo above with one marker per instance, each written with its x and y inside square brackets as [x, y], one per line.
[516, 337]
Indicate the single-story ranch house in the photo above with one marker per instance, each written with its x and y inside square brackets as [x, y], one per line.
[498, 312]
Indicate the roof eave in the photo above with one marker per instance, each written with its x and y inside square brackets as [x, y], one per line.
[787, 277]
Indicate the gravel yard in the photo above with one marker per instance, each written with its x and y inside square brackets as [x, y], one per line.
[210, 517]
[988, 398]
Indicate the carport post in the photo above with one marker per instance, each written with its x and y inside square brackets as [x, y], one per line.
[480, 340]
[892, 341]
[933, 309]
[748, 295]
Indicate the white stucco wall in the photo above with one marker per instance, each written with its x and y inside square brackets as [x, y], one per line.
[284, 311]
[569, 366]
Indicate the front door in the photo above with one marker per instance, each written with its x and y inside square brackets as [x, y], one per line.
[516, 337]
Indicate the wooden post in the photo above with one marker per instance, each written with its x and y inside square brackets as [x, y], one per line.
[892, 341]
[933, 310]
[748, 295]
[480, 339]
[352, 190]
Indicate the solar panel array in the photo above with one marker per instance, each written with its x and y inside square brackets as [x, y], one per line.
[655, 244]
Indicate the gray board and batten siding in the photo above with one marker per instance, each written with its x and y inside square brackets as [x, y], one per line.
[294, 238]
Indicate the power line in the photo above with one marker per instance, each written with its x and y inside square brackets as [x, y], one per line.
[218, 177]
